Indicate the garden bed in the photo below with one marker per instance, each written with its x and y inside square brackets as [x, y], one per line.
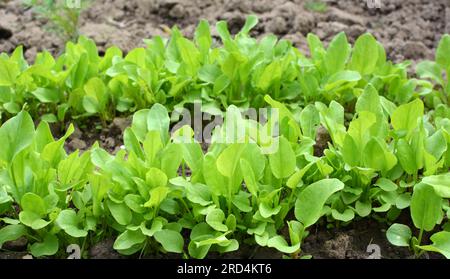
[364, 134]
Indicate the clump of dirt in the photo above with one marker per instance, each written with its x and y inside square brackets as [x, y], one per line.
[109, 138]
[104, 250]
[17, 245]
[408, 29]
[352, 242]
[322, 140]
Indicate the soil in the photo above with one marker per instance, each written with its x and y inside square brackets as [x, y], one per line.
[408, 29]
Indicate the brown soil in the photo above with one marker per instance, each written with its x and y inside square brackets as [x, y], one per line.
[408, 29]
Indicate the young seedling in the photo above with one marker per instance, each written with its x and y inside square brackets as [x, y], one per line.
[63, 15]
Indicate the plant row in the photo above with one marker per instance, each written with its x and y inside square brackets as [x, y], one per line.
[163, 194]
[233, 70]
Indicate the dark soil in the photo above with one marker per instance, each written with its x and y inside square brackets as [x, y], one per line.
[109, 138]
[408, 29]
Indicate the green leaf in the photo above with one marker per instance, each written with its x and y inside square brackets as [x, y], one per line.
[440, 184]
[33, 203]
[8, 72]
[309, 121]
[215, 219]
[365, 55]
[250, 22]
[283, 161]
[16, 134]
[158, 120]
[337, 54]
[249, 177]
[441, 244]
[171, 241]
[310, 202]
[46, 95]
[345, 216]
[378, 157]
[426, 207]
[405, 116]
[157, 196]
[442, 51]
[156, 178]
[120, 211]
[128, 239]
[399, 235]
[70, 223]
[279, 243]
[48, 247]
[363, 208]
[11, 232]
[266, 210]
[386, 184]
[406, 156]
[32, 220]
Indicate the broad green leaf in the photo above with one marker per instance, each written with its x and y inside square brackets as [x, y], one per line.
[436, 145]
[279, 243]
[309, 121]
[378, 157]
[120, 211]
[215, 219]
[310, 202]
[157, 195]
[441, 244]
[249, 177]
[363, 209]
[338, 53]
[365, 55]
[33, 203]
[170, 240]
[8, 72]
[426, 207]
[70, 223]
[345, 216]
[158, 120]
[46, 95]
[266, 210]
[17, 134]
[283, 161]
[128, 239]
[156, 178]
[48, 247]
[440, 184]
[405, 116]
[399, 235]
[386, 184]
[406, 156]
[442, 51]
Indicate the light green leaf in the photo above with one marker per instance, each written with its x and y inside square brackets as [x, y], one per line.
[441, 244]
[440, 184]
[310, 202]
[48, 247]
[399, 235]
[215, 219]
[171, 241]
[17, 134]
[426, 207]
[70, 223]
[283, 161]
